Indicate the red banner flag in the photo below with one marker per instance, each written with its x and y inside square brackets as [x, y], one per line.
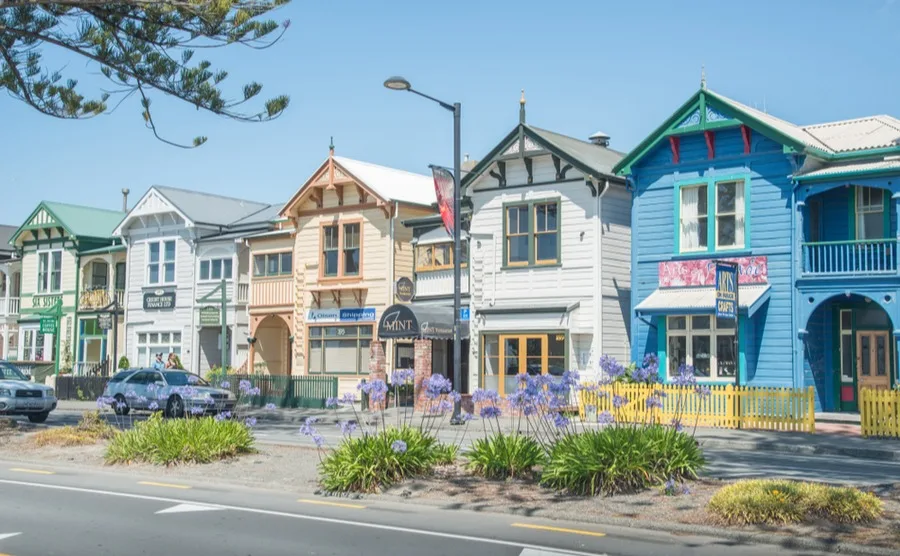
[443, 189]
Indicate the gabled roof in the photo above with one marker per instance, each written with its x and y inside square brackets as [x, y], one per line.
[831, 141]
[589, 158]
[78, 221]
[385, 184]
[6, 236]
[210, 208]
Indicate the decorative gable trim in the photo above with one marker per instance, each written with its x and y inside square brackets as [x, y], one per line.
[41, 218]
[332, 176]
[153, 206]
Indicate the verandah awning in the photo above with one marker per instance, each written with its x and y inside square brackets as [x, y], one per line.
[420, 320]
[686, 301]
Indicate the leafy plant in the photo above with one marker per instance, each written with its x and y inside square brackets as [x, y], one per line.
[124, 363]
[374, 461]
[502, 456]
[171, 441]
[621, 458]
[446, 454]
[90, 430]
[772, 501]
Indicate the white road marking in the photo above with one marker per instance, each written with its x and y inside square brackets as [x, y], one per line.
[8, 535]
[182, 508]
[319, 519]
[534, 552]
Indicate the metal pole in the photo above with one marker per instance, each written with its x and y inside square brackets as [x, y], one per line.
[457, 272]
[114, 364]
[224, 326]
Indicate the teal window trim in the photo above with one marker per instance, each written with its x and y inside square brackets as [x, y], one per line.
[532, 233]
[885, 211]
[710, 183]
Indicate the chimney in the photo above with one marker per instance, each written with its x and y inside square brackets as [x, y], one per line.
[601, 139]
[125, 192]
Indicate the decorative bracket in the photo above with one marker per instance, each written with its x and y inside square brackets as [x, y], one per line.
[745, 135]
[500, 174]
[528, 168]
[675, 144]
[710, 144]
[317, 299]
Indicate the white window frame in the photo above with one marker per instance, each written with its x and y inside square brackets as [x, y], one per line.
[25, 347]
[739, 214]
[50, 271]
[162, 262]
[681, 219]
[846, 332]
[210, 262]
[689, 332]
[863, 209]
[151, 342]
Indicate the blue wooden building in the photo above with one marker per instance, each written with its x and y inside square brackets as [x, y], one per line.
[810, 215]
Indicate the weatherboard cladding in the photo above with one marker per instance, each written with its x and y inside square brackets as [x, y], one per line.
[768, 337]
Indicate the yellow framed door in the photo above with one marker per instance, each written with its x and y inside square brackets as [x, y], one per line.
[520, 354]
[873, 359]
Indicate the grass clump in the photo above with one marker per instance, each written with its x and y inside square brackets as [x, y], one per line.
[172, 441]
[375, 461]
[772, 501]
[621, 459]
[90, 430]
[505, 456]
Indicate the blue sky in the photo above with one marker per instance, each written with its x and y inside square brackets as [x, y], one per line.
[621, 67]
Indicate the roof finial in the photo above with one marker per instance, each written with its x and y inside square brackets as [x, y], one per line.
[331, 145]
[522, 108]
[703, 77]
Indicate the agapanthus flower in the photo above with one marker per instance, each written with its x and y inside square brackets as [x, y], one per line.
[402, 376]
[319, 440]
[590, 409]
[197, 410]
[560, 421]
[398, 446]
[702, 391]
[455, 396]
[466, 416]
[131, 394]
[307, 428]
[481, 395]
[250, 421]
[436, 385]
[153, 406]
[605, 418]
[654, 401]
[225, 384]
[331, 402]
[348, 398]
[347, 427]
[571, 378]
[490, 412]
[270, 407]
[220, 417]
[611, 368]
[444, 406]
[529, 410]
[244, 385]
[685, 376]
[676, 424]
[619, 401]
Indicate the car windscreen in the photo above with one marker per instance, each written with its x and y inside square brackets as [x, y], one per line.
[183, 379]
[120, 376]
[10, 372]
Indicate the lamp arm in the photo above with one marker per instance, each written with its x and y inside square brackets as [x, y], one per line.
[431, 98]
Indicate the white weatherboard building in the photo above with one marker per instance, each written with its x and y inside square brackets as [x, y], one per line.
[181, 244]
[550, 257]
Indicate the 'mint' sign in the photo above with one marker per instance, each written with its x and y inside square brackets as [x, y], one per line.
[726, 290]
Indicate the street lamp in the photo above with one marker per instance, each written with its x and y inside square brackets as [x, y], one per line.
[398, 83]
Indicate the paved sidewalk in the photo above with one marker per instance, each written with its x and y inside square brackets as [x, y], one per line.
[831, 439]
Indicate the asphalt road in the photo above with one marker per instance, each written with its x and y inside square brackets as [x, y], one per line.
[723, 462]
[53, 511]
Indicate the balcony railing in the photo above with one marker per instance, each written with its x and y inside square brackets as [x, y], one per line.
[243, 292]
[9, 306]
[100, 297]
[860, 257]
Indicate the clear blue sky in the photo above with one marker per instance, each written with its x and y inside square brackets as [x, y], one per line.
[621, 67]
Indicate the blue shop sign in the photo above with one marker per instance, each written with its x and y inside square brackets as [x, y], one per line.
[463, 313]
[363, 314]
[726, 290]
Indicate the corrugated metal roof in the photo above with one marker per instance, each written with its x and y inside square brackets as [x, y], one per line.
[86, 221]
[108, 249]
[6, 235]
[391, 184]
[692, 300]
[209, 208]
[268, 214]
[873, 132]
[273, 233]
[853, 169]
[601, 159]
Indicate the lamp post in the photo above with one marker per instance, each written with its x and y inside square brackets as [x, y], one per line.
[400, 84]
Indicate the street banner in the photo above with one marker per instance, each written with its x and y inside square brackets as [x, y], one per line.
[443, 189]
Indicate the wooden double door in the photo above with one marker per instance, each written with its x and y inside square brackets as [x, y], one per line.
[873, 359]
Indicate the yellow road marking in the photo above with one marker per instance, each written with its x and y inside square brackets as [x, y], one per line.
[559, 529]
[165, 485]
[35, 471]
[335, 504]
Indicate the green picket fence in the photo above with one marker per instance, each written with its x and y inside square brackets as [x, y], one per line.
[288, 391]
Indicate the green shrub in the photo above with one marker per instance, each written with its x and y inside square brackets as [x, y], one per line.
[169, 441]
[504, 456]
[374, 461]
[90, 430]
[216, 375]
[619, 459]
[772, 501]
[124, 363]
[445, 454]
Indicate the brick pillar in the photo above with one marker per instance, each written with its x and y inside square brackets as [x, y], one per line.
[377, 368]
[422, 367]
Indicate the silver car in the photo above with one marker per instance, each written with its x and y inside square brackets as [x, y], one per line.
[20, 396]
[173, 392]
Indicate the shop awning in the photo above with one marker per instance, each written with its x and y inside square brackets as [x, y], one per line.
[686, 301]
[420, 320]
[437, 235]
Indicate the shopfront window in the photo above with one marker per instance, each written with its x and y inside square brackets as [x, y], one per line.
[505, 356]
[706, 343]
[339, 349]
[36, 346]
[149, 344]
[404, 356]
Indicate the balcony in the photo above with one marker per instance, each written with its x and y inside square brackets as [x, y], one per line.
[93, 299]
[243, 293]
[9, 306]
[849, 258]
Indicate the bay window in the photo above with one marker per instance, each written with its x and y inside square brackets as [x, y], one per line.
[273, 264]
[339, 349]
[161, 262]
[703, 342]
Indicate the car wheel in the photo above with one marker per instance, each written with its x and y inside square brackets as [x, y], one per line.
[121, 406]
[175, 408]
[39, 417]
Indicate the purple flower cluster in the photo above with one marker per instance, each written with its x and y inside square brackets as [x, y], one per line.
[309, 430]
[153, 406]
[490, 412]
[654, 401]
[619, 401]
[481, 395]
[676, 424]
[225, 384]
[347, 427]
[605, 418]
[376, 390]
[270, 407]
[703, 391]
[612, 369]
[685, 376]
[331, 402]
[560, 421]
[223, 416]
[398, 446]
[403, 376]
[436, 386]
[197, 410]
[250, 422]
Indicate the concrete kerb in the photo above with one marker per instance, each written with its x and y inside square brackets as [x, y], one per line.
[812, 449]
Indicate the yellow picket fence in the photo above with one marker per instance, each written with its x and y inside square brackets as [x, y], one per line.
[729, 407]
[879, 412]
